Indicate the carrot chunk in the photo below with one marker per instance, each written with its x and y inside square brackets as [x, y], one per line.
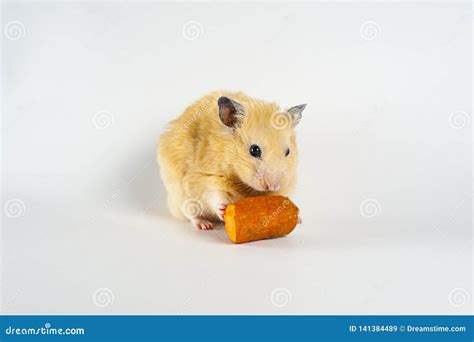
[257, 218]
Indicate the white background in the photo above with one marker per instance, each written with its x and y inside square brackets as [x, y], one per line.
[85, 228]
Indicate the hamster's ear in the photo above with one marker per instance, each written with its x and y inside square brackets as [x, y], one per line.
[296, 113]
[230, 111]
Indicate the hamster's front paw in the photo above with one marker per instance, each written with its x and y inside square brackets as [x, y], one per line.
[202, 224]
[218, 201]
[221, 206]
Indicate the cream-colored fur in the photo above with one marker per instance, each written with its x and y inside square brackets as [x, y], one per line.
[205, 164]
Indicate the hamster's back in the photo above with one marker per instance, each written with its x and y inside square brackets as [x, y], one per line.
[181, 143]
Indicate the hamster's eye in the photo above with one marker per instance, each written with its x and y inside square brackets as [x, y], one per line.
[287, 152]
[255, 151]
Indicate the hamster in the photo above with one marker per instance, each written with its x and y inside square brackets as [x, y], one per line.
[224, 147]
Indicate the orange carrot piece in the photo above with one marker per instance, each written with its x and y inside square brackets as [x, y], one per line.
[257, 218]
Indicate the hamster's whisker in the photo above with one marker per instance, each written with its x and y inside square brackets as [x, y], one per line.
[245, 186]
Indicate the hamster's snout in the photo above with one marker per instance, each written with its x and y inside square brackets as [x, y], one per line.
[272, 183]
[273, 186]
